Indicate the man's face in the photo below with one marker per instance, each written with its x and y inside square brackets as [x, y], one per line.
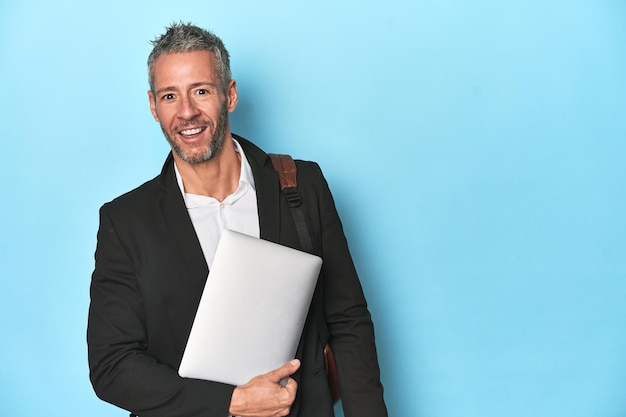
[190, 104]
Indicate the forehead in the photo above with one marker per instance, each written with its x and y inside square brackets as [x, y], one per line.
[184, 67]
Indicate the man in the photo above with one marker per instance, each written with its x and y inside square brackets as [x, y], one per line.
[156, 244]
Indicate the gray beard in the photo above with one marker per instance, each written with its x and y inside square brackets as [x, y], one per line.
[215, 145]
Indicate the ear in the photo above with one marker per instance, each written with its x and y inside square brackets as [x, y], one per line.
[232, 95]
[153, 105]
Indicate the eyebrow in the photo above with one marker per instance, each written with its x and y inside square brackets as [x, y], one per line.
[194, 85]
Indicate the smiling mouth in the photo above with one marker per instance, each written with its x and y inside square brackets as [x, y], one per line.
[191, 132]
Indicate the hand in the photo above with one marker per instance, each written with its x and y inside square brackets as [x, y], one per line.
[264, 396]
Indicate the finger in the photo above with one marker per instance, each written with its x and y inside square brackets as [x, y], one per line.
[291, 386]
[284, 412]
[284, 371]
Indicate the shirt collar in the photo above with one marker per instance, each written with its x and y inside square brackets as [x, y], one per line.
[245, 175]
[246, 171]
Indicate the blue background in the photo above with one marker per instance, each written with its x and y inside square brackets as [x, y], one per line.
[475, 149]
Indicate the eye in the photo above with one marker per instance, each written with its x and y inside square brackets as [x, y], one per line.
[168, 96]
[202, 91]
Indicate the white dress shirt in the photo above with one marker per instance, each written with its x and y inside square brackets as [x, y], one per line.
[238, 211]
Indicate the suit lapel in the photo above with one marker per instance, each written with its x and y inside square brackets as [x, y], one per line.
[267, 190]
[177, 218]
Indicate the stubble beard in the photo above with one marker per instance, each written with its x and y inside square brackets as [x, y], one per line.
[215, 145]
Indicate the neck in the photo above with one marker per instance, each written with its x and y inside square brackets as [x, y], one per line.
[218, 177]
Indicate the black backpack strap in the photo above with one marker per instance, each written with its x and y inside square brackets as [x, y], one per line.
[286, 168]
[287, 175]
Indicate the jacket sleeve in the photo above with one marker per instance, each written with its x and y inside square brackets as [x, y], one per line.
[121, 369]
[351, 331]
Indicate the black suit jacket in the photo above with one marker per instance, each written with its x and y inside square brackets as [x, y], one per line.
[149, 275]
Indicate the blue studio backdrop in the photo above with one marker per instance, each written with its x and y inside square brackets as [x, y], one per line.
[475, 149]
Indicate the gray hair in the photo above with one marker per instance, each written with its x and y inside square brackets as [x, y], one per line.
[185, 37]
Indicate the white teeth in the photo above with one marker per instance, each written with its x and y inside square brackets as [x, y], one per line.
[191, 131]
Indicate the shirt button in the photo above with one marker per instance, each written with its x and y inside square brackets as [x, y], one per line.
[221, 205]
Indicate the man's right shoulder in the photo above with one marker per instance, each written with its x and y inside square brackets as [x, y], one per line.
[145, 194]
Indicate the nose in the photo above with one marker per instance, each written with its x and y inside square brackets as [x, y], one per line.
[187, 109]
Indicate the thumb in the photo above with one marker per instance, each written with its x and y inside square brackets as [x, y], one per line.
[284, 371]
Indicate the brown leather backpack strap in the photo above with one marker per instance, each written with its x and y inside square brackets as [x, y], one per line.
[286, 168]
[331, 373]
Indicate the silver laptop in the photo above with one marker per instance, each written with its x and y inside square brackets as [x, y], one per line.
[252, 310]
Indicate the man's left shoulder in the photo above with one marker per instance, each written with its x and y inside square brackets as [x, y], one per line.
[311, 180]
[308, 167]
